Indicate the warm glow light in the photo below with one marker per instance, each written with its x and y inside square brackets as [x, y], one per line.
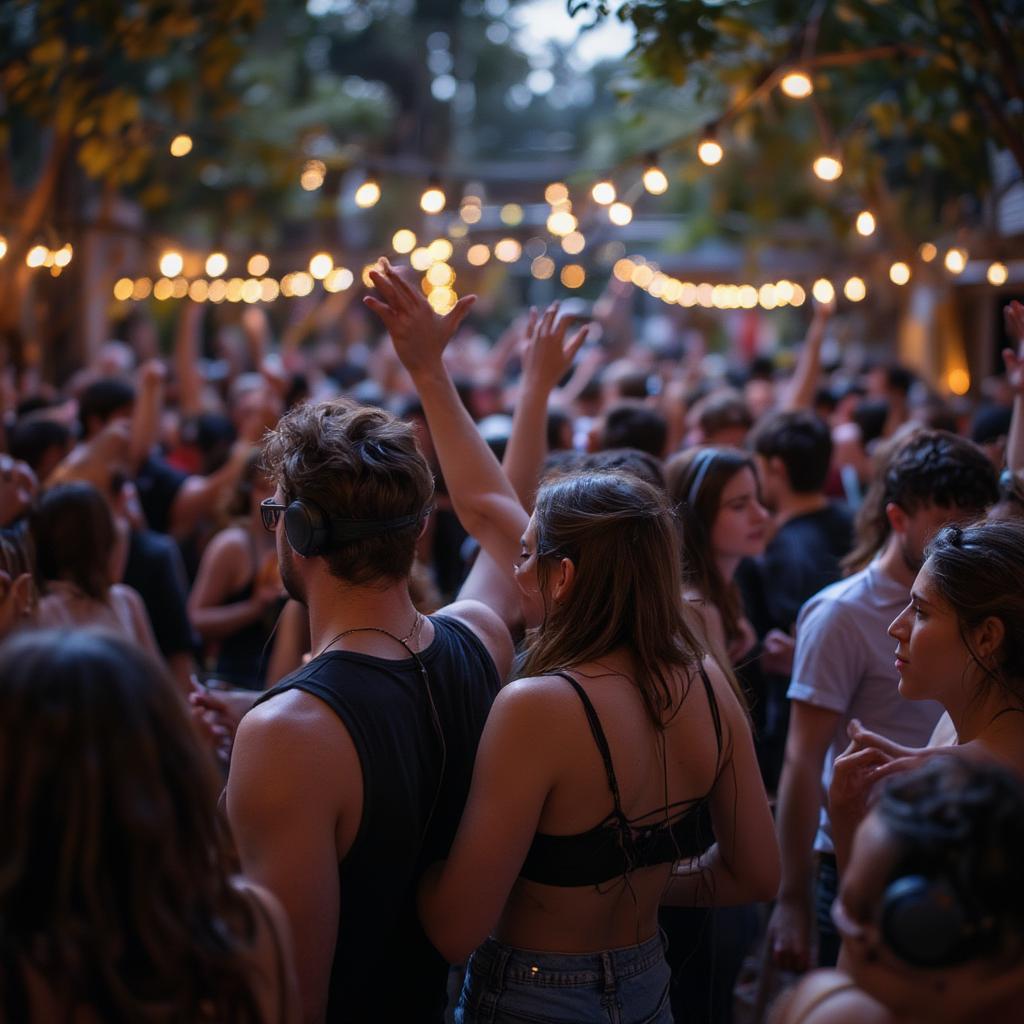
[235, 286]
[799, 296]
[623, 269]
[269, 289]
[313, 174]
[561, 223]
[705, 294]
[198, 290]
[368, 194]
[440, 249]
[302, 284]
[171, 263]
[258, 264]
[421, 258]
[823, 291]
[556, 192]
[956, 260]
[433, 200]
[216, 264]
[959, 381]
[218, 290]
[508, 250]
[62, 257]
[542, 267]
[603, 193]
[365, 275]
[865, 223]
[252, 290]
[620, 214]
[673, 290]
[997, 274]
[768, 296]
[339, 279]
[573, 275]
[181, 145]
[163, 290]
[143, 288]
[928, 252]
[643, 275]
[797, 84]
[36, 256]
[710, 152]
[471, 213]
[321, 265]
[855, 289]
[828, 168]
[899, 273]
[403, 240]
[442, 300]
[440, 275]
[511, 214]
[784, 292]
[123, 289]
[655, 181]
[574, 243]
[3, 247]
[478, 255]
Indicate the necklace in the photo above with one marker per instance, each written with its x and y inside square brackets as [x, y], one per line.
[403, 640]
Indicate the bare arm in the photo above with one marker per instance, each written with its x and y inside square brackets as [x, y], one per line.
[808, 364]
[186, 359]
[199, 496]
[223, 569]
[149, 404]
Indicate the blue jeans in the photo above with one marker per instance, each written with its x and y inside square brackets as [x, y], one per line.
[620, 986]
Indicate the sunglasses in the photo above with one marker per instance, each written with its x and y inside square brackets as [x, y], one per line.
[270, 513]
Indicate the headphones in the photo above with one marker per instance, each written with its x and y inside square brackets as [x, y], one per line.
[925, 923]
[311, 531]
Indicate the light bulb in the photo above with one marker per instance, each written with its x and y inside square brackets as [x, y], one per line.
[865, 223]
[855, 289]
[710, 152]
[321, 265]
[556, 192]
[823, 291]
[828, 168]
[36, 256]
[508, 250]
[367, 194]
[928, 252]
[797, 85]
[620, 214]
[62, 257]
[899, 273]
[573, 275]
[561, 223]
[171, 263]
[655, 181]
[511, 214]
[603, 193]
[3, 247]
[339, 279]
[216, 264]
[181, 145]
[478, 255]
[997, 274]
[956, 261]
[403, 240]
[433, 199]
[258, 264]
[959, 381]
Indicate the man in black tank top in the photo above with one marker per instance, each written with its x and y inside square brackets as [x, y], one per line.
[349, 776]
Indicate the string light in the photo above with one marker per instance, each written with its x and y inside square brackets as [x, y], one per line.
[440, 275]
[471, 213]
[959, 381]
[62, 257]
[321, 264]
[142, 289]
[339, 279]
[899, 273]
[3, 247]
[620, 214]
[218, 290]
[269, 289]
[603, 193]
[368, 194]
[440, 249]
[181, 145]
[252, 291]
[123, 289]
[654, 177]
[36, 256]
[420, 258]
[928, 252]
[478, 255]
[623, 269]
[997, 274]
[179, 288]
[512, 215]
[956, 260]
[442, 300]
[216, 264]
[198, 290]
[171, 263]
[163, 290]
[433, 199]
[542, 267]
[574, 243]
[573, 275]
[403, 240]
[828, 168]
[797, 85]
[561, 223]
[823, 291]
[508, 250]
[855, 289]
[258, 264]
[865, 223]
[313, 174]
[710, 151]
[556, 193]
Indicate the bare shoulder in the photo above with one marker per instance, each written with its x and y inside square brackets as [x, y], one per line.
[489, 628]
[545, 703]
[828, 997]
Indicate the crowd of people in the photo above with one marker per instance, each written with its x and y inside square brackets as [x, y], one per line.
[409, 677]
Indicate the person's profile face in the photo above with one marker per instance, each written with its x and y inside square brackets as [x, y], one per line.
[525, 571]
[740, 528]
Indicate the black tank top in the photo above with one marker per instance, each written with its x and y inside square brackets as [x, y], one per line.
[384, 967]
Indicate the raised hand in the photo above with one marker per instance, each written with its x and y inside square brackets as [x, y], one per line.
[1013, 315]
[545, 353]
[419, 334]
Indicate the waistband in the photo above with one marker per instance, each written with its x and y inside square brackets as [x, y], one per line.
[539, 967]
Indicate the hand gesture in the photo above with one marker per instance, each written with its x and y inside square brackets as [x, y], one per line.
[419, 334]
[1013, 315]
[546, 355]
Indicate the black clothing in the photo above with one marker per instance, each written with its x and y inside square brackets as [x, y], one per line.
[617, 845]
[415, 787]
[158, 482]
[154, 568]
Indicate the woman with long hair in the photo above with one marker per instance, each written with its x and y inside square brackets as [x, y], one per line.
[931, 906]
[117, 902]
[959, 642]
[619, 770]
[722, 521]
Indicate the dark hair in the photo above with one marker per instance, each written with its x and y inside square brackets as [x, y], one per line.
[30, 439]
[632, 424]
[921, 467]
[619, 534]
[354, 462]
[722, 410]
[898, 378]
[101, 399]
[558, 421]
[73, 533]
[802, 441]
[114, 874]
[962, 821]
[628, 460]
[871, 415]
[979, 571]
[991, 423]
[696, 479]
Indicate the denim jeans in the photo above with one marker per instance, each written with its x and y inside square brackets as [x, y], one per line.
[618, 986]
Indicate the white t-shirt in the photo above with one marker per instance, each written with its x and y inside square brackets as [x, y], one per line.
[845, 662]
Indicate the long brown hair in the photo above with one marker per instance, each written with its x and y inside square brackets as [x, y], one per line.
[619, 533]
[114, 871]
[695, 481]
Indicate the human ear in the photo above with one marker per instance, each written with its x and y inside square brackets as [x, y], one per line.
[566, 577]
[988, 637]
[897, 517]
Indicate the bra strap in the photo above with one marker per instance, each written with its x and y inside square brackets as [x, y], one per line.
[599, 739]
[716, 715]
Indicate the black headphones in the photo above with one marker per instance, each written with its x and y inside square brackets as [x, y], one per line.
[926, 923]
[311, 531]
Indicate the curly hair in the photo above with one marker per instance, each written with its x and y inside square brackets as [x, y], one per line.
[114, 869]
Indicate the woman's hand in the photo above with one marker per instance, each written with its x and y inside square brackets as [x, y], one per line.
[546, 356]
[419, 334]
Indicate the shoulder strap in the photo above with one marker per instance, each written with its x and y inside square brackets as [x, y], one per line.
[599, 738]
[823, 997]
[716, 715]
